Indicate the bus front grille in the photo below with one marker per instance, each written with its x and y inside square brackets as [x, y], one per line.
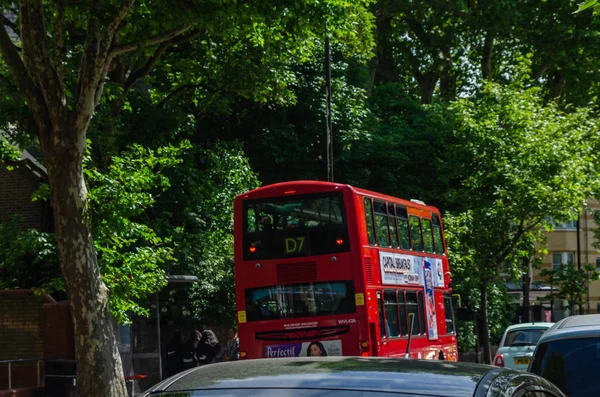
[302, 334]
[295, 272]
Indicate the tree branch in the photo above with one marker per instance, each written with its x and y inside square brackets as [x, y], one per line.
[59, 40]
[176, 92]
[147, 68]
[36, 57]
[153, 40]
[25, 83]
[94, 62]
[10, 24]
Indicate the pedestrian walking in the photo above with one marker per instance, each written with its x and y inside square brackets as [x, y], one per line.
[189, 350]
[232, 350]
[175, 354]
[209, 350]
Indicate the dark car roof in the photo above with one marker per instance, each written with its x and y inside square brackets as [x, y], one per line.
[584, 326]
[417, 377]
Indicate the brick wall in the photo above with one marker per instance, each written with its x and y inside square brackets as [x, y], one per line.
[16, 188]
[20, 325]
[21, 336]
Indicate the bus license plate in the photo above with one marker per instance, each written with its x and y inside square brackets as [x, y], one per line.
[522, 360]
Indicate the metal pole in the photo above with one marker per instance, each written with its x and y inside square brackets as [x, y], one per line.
[328, 98]
[552, 297]
[9, 376]
[579, 254]
[160, 375]
[38, 372]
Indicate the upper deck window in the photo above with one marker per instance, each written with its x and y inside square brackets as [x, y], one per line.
[415, 232]
[381, 224]
[437, 235]
[403, 229]
[295, 226]
[427, 235]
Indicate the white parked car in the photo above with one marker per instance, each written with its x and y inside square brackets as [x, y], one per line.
[518, 343]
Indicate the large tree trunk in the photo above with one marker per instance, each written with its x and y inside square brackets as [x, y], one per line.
[386, 66]
[448, 85]
[427, 82]
[556, 84]
[100, 372]
[484, 332]
[486, 58]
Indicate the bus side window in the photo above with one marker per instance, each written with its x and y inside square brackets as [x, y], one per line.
[369, 219]
[381, 315]
[449, 314]
[391, 313]
[421, 311]
[413, 307]
[392, 222]
[415, 231]
[437, 235]
[402, 311]
[381, 224]
[403, 230]
[427, 235]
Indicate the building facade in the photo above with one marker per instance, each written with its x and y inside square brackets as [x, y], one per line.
[564, 249]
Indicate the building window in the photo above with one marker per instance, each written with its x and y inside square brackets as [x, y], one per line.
[598, 263]
[561, 258]
[569, 225]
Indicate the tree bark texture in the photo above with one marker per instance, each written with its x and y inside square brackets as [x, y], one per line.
[386, 67]
[486, 57]
[427, 82]
[484, 331]
[99, 369]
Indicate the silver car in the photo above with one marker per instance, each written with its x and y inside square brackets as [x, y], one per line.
[518, 343]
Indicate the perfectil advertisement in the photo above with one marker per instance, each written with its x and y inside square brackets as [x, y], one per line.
[305, 349]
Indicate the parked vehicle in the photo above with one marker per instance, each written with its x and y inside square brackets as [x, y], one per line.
[352, 377]
[568, 355]
[518, 343]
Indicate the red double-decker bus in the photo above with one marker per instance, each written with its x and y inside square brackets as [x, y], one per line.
[329, 269]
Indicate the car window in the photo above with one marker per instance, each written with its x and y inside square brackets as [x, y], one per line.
[572, 365]
[523, 337]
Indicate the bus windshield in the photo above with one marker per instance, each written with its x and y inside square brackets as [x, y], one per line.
[300, 300]
[294, 226]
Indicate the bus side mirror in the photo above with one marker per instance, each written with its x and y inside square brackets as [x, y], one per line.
[456, 301]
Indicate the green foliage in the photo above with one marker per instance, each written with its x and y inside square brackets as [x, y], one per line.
[571, 283]
[404, 151]
[8, 152]
[130, 253]
[466, 282]
[291, 134]
[521, 164]
[593, 4]
[27, 258]
[198, 215]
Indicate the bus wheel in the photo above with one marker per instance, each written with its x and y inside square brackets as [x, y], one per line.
[441, 356]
